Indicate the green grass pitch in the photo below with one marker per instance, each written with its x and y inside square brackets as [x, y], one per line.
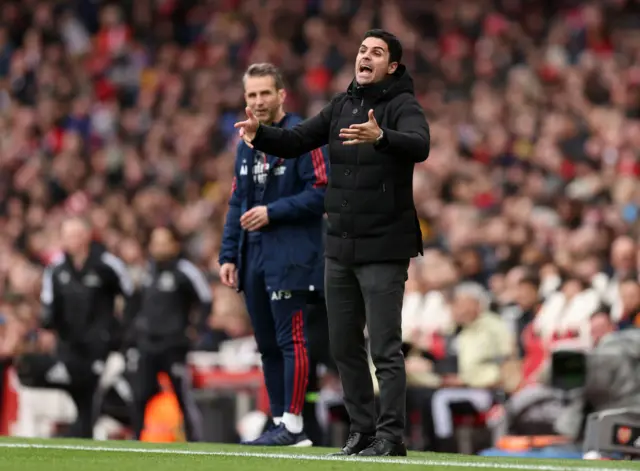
[71, 455]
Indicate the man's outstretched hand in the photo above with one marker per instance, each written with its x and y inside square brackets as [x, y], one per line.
[365, 133]
[248, 128]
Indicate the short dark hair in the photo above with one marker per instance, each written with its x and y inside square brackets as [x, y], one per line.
[530, 278]
[265, 69]
[602, 310]
[393, 43]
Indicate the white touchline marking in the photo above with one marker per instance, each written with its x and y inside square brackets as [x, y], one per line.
[484, 464]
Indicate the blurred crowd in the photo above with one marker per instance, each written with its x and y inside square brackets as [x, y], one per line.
[531, 189]
[124, 111]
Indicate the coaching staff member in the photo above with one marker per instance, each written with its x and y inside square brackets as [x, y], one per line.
[78, 304]
[376, 131]
[172, 288]
[273, 240]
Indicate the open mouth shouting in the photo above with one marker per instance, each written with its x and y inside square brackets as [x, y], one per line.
[365, 71]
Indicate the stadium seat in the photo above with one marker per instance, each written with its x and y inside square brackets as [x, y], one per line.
[472, 433]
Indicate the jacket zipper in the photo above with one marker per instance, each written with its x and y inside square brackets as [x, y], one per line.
[267, 175]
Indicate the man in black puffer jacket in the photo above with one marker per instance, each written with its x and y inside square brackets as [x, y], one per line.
[376, 132]
[78, 296]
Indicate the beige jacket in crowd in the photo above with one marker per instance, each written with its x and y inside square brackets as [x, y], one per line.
[487, 357]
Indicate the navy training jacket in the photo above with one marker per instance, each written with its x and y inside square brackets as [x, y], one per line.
[293, 247]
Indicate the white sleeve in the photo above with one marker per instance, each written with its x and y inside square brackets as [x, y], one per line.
[120, 269]
[197, 279]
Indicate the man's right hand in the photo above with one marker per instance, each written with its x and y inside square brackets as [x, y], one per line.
[228, 275]
[248, 128]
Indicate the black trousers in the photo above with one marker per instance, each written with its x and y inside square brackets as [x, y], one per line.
[369, 295]
[117, 401]
[144, 372]
[68, 371]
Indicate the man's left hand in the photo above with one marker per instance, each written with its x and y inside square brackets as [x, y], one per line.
[255, 219]
[365, 133]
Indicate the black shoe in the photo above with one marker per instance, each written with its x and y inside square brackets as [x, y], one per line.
[384, 447]
[356, 443]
